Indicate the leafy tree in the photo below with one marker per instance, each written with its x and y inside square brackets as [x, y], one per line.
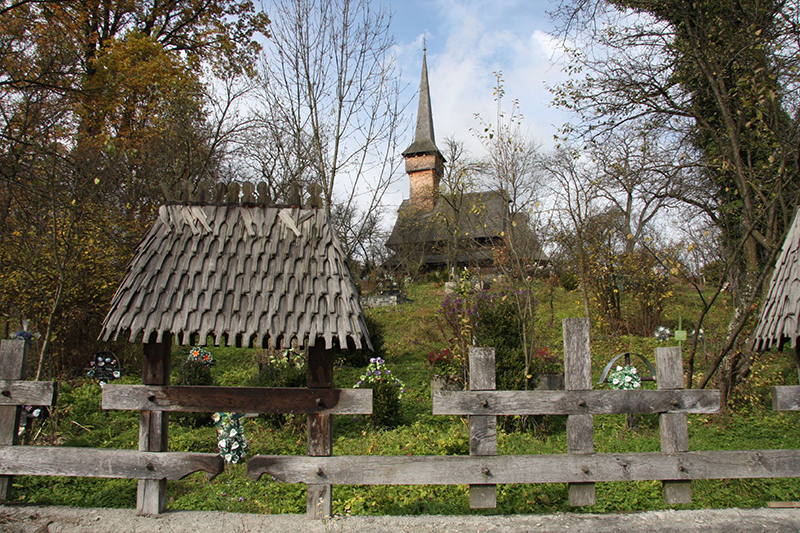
[719, 79]
[99, 102]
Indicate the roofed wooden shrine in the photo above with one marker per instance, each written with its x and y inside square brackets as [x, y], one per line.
[228, 265]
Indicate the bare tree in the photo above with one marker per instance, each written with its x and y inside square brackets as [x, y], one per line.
[575, 198]
[330, 89]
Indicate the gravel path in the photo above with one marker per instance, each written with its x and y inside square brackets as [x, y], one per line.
[42, 519]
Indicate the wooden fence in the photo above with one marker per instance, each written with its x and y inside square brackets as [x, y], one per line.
[482, 470]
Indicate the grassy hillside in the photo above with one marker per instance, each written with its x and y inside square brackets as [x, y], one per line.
[411, 331]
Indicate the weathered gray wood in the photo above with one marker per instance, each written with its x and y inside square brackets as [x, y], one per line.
[105, 463]
[151, 496]
[318, 501]
[577, 354]
[237, 399]
[483, 435]
[674, 427]
[18, 392]
[319, 496]
[578, 377]
[13, 356]
[482, 429]
[593, 402]
[481, 369]
[580, 440]
[564, 468]
[786, 398]
[248, 192]
[259, 278]
[669, 368]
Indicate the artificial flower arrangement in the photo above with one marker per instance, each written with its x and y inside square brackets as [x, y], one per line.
[378, 372]
[200, 356]
[625, 378]
[231, 441]
[662, 334]
[289, 357]
[104, 367]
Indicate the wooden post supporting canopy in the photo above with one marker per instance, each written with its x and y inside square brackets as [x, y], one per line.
[320, 430]
[151, 497]
[13, 356]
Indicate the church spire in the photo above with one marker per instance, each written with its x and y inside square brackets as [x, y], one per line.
[424, 140]
[424, 162]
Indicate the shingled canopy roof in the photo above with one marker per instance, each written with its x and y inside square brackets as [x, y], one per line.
[780, 315]
[250, 274]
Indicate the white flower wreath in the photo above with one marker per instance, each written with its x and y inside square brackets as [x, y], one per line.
[625, 378]
[231, 441]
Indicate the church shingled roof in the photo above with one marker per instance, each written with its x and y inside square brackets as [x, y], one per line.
[254, 274]
[424, 139]
[480, 215]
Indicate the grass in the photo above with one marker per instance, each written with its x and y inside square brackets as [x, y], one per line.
[411, 331]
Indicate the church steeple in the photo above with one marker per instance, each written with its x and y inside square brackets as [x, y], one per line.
[424, 161]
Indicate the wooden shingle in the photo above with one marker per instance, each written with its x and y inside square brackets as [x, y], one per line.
[267, 276]
[779, 321]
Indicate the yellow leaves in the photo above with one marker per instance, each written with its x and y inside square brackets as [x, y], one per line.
[97, 181]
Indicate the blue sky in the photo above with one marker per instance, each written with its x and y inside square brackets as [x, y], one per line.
[467, 41]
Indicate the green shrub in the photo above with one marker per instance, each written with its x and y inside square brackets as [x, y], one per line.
[387, 390]
[190, 372]
[385, 405]
[281, 369]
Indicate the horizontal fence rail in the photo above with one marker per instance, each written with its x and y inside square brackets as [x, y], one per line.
[105, 463]
[19, 392]
[786, 398]
[586, 468]
[238, 399]
[586, 402]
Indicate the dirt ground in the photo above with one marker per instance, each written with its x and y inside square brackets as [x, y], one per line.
[42, 519]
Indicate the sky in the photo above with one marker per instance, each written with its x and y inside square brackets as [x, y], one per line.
[467, 42]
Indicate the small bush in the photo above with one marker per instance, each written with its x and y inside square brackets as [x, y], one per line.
[195, 373]
[385, 405]
[387, 390]
[281, 369]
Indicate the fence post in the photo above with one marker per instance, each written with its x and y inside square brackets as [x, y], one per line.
[13, 356]
[674, 426]
[578, 376]
[151, 496]
[482, 429]
[320, 430]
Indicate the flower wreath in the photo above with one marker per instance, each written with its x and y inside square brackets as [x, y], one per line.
[104, 367]
[662, 334]
[231, 441]
[625, 378]
[200, 356]
[377, 372]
